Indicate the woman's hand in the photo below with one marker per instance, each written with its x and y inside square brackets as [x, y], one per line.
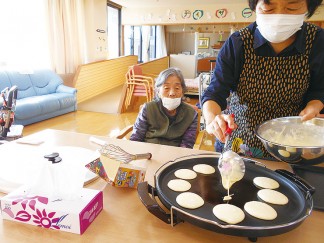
[312, 109]
[218, 126]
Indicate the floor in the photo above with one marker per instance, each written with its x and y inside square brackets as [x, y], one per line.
[107, 102]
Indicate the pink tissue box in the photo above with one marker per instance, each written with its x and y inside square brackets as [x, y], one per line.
[73, 216]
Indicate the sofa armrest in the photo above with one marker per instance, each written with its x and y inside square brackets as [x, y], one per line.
[66, 89]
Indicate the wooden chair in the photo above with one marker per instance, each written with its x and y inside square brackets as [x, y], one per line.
[138, 85]
[200, 135]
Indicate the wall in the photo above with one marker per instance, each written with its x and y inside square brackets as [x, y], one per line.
[185, 41]
[96, 19]
[180, 33]
[98, 77]
[173, 15]
[186, 63]
[153, 68]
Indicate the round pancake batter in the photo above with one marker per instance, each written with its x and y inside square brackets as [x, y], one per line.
[204, 169]
[190, 200]
[179, 185]
[272, 196]
[260, 210]
[265, 182]
[185, 174]
[229, 213]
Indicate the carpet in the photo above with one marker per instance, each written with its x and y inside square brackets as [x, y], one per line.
[107, 102]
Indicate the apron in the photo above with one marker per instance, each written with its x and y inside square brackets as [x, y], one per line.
[269, 87]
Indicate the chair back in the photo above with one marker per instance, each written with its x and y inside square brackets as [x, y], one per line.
[136, 70]
[137, 85]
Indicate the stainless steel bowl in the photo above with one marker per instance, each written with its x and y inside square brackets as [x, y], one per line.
[298, 154]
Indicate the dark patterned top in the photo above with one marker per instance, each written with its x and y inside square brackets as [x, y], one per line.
[268, 87]
[230, 61]
[147, 130]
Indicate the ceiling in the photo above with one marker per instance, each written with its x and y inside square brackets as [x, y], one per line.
[171, 3]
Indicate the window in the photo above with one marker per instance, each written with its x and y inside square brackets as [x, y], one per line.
[152, 48]
[140, 41]
[114, 27]
[137, 42]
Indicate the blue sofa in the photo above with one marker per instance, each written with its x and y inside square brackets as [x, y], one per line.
[41, 95]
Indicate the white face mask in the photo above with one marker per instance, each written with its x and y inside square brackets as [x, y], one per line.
[277, 28]
[171, 103]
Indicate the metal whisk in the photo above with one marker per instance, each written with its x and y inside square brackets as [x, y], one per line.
[116, 152]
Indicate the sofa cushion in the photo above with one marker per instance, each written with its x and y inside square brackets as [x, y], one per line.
[65, 100]
[4, 81]
[23, 82]
[43, 104]
[45, 81]
[27, 108]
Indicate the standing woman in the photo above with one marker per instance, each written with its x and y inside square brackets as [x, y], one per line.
[167, 120]
[272, 68]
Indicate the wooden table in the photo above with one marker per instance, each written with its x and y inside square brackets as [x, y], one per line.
[125, 219]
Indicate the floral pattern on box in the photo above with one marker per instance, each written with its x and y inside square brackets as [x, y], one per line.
[40, 218]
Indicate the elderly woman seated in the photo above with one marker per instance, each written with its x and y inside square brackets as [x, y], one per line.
[167, 119]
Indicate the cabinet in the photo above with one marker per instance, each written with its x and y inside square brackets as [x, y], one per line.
[206, 64]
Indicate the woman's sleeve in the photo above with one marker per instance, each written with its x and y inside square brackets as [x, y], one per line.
[140, 126]
[316, 87]
[189, 137]
[225, 76]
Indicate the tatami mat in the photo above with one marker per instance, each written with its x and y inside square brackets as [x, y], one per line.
[107, 102]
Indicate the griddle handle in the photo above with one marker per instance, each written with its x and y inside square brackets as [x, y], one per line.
[143, 190]
[301, 183]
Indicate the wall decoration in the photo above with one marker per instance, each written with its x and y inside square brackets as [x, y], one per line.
[186, 14]
[247, 13]
[203, 42]
[173, 17]
[221, 13]
[197, 14]
[233, 15]
[149, 16]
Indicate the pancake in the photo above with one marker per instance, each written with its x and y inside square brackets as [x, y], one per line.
[260, 210]
[229, 213]
[272, 196]
[185, 174]
[265, 182]
[179, 185]
[204, 169]
[190, 200]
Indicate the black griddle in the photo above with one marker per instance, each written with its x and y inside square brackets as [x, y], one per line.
[209, 187]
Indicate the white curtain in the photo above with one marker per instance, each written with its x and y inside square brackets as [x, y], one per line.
[161, 50]
[67, 39]
[23, 40]
[146, 35]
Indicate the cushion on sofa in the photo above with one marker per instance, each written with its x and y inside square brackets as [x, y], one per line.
[23, 82]
[27, 108]
[45, 82]
[4, 81]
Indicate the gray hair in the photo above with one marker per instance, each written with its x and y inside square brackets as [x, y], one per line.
[164, 75]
